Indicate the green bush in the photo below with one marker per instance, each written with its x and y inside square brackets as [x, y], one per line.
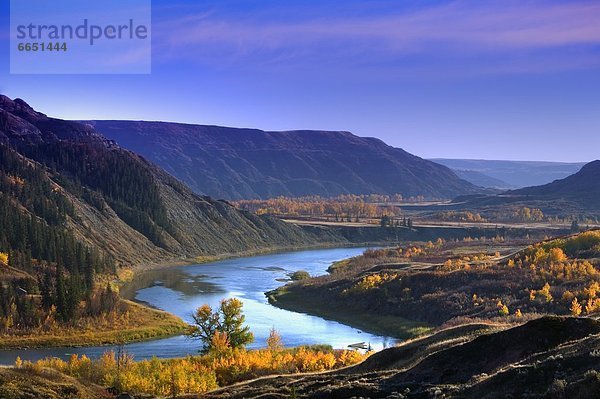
[300, 275]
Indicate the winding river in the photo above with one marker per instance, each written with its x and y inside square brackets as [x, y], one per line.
[180, 290]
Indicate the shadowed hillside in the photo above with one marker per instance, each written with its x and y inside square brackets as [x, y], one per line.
[113, 200]
[513, 173]
[582, 188]
[249, 163]
[550, 357]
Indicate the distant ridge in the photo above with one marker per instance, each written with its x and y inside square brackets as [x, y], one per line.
[481, 179]
[578, 194]
[582, 188]
[234, 163]
[514, 174]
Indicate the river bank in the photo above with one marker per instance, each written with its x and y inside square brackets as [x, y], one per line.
[137, 323]
[147, 322]
[375, 323]
[179, 290]
[141, 321]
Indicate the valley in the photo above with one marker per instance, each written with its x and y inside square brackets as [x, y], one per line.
[510, 174]
[300, 200]
[105, 257]
[178, 290]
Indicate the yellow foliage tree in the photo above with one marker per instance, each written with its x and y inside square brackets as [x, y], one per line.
[502, 309]
[575, 307]
[4, 258]
[542, 295]
[545, 292]
[220, 343]
[592, 305]
[228, 318]
[371, 282]
[592, 290]
[557, 255]
[274, 341]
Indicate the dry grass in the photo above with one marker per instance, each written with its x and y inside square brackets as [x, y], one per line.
[47, 384]
[141, 323]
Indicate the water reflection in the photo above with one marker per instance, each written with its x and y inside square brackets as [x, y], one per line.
[180, 290]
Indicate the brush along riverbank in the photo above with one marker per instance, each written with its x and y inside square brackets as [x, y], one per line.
[371, 322]
[131, 323]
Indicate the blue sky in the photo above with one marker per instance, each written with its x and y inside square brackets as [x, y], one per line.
[456, 79]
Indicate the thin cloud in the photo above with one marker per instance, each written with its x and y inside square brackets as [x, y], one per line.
[457, 29]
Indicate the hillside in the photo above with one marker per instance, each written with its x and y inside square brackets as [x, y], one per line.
[395, 290]
[248, 163]
[550, 357]
[74, 207]
[481, 179]
[582, 188]
[514, 174]
[115, 201]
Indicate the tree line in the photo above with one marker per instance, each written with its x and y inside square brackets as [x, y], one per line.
[341, 208]
[50, 269]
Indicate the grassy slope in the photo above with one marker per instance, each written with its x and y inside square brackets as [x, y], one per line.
[47, 384]
[143, 323]
[524, 361]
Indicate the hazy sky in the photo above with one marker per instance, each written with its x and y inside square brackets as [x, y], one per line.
[456, 79]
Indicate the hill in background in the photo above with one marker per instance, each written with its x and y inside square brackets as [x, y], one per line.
[481, 179]
[510, 174]
[236, 163]
[582, 188]
[575, 196]
[62, 180]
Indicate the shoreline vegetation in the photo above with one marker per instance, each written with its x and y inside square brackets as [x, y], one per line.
[147, 323]
[139, 321]
[136, 323]
[374, 323]
[191, 375]
[406, 291]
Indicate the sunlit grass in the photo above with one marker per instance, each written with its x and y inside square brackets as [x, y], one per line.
[194, 374]
[137, 323]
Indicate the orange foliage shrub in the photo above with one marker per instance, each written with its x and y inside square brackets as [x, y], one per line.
[370, 282]
[195, 374]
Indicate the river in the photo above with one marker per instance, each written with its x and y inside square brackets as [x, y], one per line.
[180, 290]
